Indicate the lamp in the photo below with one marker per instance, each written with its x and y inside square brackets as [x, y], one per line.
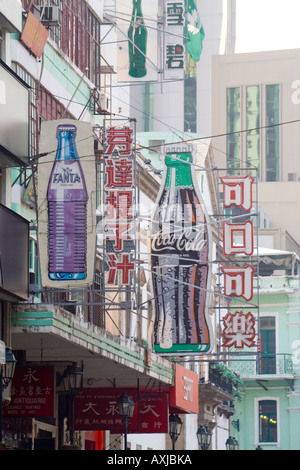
[126, 409]
[175, 425]
[73, 378]
[7, 371]
[204, 436]
[231, 443]
[73, 383]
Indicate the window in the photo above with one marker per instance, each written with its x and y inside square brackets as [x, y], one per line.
[49, 107]
[77, 34]
[33, 105]
[253, 123]
[94, 49]
[155, 146]
[272, 133]
[255, 108]
[268, 421]
[268, 345]
[233, 128]
[190, 96]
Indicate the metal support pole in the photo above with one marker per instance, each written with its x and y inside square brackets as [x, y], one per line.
[72, 419]
[125, 432]
[173, 443]
[1, 403]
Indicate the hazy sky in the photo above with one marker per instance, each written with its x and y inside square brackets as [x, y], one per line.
[267, 25]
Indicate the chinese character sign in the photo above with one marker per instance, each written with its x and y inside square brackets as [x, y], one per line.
[174, 50]
[33, 392]
[184, 394]
[119, 201]
[238, 281]
[239, 329]
[97, 409]
[237, 191]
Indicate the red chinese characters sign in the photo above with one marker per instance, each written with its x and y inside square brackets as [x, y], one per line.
[239, 328]
[119, 199]
[97, 409]
[238, 238]
[33, 391]
[184, 394]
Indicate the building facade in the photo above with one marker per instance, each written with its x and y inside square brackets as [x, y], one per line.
[258, 91]
[267, 416]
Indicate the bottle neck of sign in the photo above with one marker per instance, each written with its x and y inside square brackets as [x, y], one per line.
[66, 149]
[179, 170]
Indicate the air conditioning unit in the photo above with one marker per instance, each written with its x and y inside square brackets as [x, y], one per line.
[102, 104]
[50, 15]
[32, 276]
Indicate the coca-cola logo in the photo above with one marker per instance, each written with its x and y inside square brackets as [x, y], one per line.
[185, 239]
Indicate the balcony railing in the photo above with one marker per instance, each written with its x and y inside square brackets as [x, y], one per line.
[265, 364]
[216, 379]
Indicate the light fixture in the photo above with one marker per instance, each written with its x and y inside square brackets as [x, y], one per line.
[231, 443]
[126, 407]
[204, 436]
[175, 425]
[73, 378]
[9, 367]
[7, 371]
[73, 383]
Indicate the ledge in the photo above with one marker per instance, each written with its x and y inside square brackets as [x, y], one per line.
[52, 320]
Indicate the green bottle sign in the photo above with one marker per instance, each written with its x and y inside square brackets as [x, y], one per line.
[181, 246]
[137, 35]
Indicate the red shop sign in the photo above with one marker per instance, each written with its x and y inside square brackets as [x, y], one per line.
[32, 393]
[184, 394]
[97, 409]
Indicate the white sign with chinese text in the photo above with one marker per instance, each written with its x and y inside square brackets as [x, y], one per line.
[173, 48]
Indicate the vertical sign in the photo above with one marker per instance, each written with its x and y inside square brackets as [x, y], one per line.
[67, 204]
[137, 33]
[181, 244]
[174, 49]
[184, 394]
[119, 204]
[239, 328]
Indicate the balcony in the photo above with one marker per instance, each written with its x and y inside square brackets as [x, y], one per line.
[218, 392]
[266, 368]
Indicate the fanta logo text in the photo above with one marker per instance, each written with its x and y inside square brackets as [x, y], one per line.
[66, 177]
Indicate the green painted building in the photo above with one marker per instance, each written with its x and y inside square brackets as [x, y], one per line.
[268, 413]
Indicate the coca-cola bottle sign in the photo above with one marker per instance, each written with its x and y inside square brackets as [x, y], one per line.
[180, 259]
